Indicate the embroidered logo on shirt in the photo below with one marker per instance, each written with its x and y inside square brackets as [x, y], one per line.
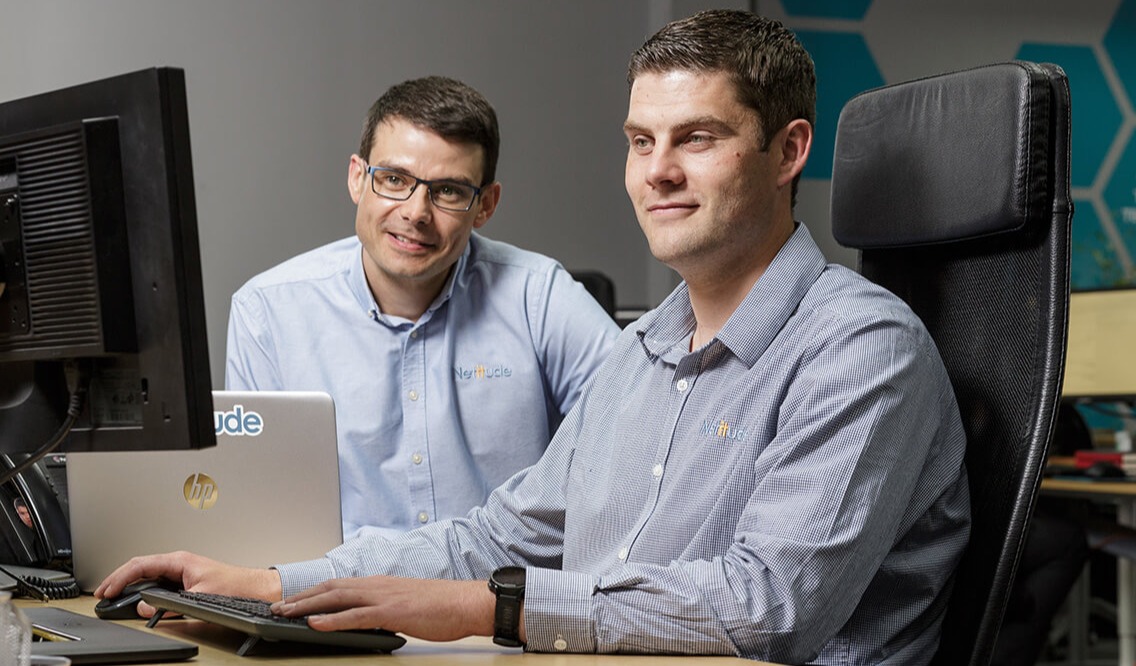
[481, 371]
[723, 430]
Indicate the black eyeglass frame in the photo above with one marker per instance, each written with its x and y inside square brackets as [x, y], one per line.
[371, 170]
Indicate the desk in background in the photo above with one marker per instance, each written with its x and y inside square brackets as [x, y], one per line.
[1123, 494]
[219, 645]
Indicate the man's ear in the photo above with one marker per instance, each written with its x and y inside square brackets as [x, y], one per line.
[356, 178]
[796, 141]
[487, 203]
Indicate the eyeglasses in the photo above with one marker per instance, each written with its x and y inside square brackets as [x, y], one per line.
[445, 194]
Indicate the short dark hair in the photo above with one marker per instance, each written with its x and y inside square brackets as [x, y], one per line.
[772, 72]
[452, 109]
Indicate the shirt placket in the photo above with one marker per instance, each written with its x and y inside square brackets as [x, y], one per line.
[415, 447]
[681, 385]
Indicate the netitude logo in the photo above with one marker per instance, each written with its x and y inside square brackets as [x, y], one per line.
[238, 422]
[723, 430]
[200, 491]
[481, 371]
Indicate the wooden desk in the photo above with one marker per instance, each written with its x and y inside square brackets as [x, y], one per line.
[218, 645]
[1123, 494]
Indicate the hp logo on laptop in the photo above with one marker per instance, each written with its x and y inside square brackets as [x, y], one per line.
[200, 491]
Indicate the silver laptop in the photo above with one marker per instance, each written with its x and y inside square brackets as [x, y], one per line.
[267, 493]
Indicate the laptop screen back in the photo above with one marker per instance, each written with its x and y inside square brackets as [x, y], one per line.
[268, 493]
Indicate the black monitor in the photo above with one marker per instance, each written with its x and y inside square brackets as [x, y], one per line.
[102, 310]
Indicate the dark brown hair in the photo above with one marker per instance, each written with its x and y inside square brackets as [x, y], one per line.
[448, 107]
[772, 72]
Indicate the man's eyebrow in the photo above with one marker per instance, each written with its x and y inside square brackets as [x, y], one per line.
[712, 123]
[631, 128]
[394, 166]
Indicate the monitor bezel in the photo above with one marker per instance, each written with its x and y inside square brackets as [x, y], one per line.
[172, 354]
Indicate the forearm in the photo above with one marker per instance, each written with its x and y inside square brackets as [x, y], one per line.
[436, 610]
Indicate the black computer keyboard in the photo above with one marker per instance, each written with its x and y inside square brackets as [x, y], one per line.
[254, 618]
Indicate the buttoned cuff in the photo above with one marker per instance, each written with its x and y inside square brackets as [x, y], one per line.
[558, 611]
[299, 576]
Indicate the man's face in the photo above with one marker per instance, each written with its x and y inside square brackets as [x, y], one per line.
[410, 245]
[25, 515]
[705, 193]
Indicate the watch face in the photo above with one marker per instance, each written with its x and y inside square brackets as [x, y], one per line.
[510, 576]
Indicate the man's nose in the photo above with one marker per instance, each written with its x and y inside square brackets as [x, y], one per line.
[664, 168]
[418, 209]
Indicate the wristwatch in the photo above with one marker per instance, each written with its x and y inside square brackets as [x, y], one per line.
[508, 584]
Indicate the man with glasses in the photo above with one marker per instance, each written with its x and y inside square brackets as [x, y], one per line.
[769, 464]
[451, 358]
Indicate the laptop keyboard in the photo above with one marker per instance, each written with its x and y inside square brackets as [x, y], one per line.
[254, 617]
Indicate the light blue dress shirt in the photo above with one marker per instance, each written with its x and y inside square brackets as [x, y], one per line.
[431, 415]
[794, 491]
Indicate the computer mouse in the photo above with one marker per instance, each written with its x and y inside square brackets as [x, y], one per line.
[125, 605]
[1104, 470]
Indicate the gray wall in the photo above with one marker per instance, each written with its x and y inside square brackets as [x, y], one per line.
[277, 91]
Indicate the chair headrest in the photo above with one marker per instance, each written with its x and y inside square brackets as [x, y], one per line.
[945, 158]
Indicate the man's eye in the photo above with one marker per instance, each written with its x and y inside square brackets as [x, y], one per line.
[641, 143]
[449, 191]
[394, 180]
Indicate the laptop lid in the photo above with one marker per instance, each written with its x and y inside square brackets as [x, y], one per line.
[267, 493]
[89, 640]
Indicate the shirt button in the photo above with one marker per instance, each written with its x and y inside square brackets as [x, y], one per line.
[658, 470]
[560, 644]
[414, 334]
[413, 395]
[681, 385]
[417, 458]
[423, 517]
[623, 553]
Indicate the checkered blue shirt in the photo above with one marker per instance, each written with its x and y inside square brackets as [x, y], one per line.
[794, 491]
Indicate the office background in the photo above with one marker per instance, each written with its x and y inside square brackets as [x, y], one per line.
[277, 90]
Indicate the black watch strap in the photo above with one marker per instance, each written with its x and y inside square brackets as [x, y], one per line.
[508, 585]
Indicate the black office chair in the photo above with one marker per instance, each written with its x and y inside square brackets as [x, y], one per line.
[600, 286]
[955, 188]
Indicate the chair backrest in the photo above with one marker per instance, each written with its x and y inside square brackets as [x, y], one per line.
[955, 188]
[600, 286]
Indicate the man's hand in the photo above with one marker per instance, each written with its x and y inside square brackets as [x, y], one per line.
[435, 610]
[196, 573]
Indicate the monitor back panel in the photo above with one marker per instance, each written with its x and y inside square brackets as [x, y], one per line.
[268, 493]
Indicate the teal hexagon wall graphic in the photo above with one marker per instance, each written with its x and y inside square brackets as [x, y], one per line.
[1120, 43]
[1095, 114]
[1094, 263]
[844, 68]
[1120, 196]
[839, 9]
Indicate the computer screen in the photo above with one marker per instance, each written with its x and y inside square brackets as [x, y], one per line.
[1100, 361]
[102, 307]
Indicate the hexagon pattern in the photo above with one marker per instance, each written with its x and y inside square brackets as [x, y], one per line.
[1094, 263]
[1102, 116]
[1095, 116]
[1120, 44]
[845, 67]
[1120, 196]
[840, 9]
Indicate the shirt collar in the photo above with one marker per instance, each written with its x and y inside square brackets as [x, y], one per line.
[751, 328]
[357, 282]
